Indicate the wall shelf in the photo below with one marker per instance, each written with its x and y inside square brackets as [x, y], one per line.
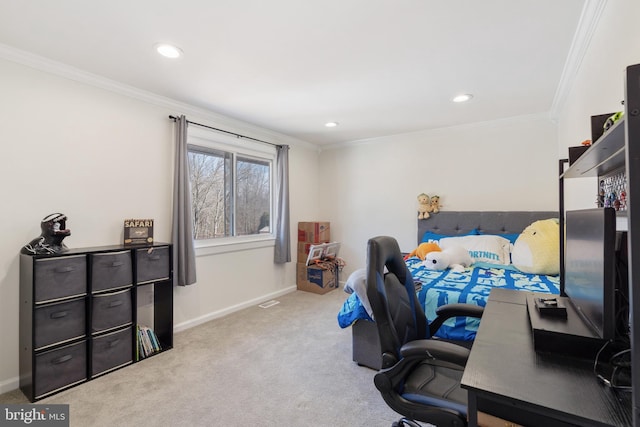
[604, 156]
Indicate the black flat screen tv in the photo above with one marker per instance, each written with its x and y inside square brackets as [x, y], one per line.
[590, 262]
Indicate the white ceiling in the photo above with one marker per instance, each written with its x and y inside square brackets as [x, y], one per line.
[378, 67]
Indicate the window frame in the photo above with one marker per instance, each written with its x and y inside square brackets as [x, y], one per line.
[202, 139]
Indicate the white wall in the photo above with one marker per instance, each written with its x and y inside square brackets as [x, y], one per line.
[370, 188]
[100, 156]
[598, 86]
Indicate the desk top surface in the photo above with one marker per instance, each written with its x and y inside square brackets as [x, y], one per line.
[504, 364]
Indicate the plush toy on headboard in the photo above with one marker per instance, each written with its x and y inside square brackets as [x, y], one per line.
[537, 249]
[435, 204]
[424, 206]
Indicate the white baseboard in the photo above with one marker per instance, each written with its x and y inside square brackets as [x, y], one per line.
[221, 313]
[14, 383]
[9, 385]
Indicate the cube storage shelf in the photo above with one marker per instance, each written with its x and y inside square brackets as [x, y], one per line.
[79, 310]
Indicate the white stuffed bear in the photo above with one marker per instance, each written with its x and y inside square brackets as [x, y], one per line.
[455, 257]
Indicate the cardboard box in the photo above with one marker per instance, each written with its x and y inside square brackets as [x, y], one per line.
[487, 420]
[315, 279]
[314, 232]
[303, 251]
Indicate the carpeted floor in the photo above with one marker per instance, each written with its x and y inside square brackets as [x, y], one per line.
[286, 365]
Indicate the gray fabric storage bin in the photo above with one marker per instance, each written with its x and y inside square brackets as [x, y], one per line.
[110, 310]
[60, 277]
[59, 322]
[111, 270]
[111, 350]
[59, 368]
[152, 264]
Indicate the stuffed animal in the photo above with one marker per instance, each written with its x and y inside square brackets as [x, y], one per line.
[423, 249]
[455, 257]
[537, 249]
[424, 206]
[435, 204]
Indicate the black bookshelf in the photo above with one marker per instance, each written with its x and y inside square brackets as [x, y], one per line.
[79, 311]
[618, 151]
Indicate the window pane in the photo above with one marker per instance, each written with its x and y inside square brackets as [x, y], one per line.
[210, 188]
[253, 199]
[231, 192]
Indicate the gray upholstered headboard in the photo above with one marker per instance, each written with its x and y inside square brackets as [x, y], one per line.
[452, 223]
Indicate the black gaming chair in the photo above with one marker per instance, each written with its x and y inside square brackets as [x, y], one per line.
[420, 377]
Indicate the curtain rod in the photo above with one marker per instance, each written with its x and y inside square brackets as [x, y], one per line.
[174, 118]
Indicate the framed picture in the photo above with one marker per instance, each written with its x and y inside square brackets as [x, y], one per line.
[138, 231]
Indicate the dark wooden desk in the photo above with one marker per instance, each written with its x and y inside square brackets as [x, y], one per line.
[507, 378]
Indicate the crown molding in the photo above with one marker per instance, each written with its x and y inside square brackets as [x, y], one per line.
[524, 118]
[587, 25]
[72, 73]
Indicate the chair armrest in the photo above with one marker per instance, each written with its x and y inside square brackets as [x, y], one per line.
[448, 311]
[454, 310]
[443, 351]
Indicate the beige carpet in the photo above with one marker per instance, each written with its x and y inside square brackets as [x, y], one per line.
[287, 365]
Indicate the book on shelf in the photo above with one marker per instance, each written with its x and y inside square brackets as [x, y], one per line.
[148, 342]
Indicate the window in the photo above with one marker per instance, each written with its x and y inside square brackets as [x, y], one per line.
[231, 186]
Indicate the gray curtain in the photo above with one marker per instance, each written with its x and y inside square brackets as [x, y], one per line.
[184, 254]
[282, 252]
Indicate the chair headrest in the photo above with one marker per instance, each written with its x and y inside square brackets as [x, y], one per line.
[383, 251]
[397, 312]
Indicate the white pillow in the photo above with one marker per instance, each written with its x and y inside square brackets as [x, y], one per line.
[484, 248]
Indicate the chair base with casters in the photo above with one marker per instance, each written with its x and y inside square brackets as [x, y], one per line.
[420, 376]
[405, 422]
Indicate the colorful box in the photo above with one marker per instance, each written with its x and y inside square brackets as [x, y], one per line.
[314, 232]
[315, 279]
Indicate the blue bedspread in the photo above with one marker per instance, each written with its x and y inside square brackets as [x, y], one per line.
[471, 286]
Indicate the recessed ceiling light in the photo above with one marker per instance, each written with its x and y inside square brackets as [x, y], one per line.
[462, 98]
[168, 50]
[331, 124]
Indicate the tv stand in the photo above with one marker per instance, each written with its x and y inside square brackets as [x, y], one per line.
[570, 336]
[507, 378]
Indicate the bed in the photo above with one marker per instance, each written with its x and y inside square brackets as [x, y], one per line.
[436, 288]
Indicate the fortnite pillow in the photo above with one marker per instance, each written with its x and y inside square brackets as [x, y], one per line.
[483, 248]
